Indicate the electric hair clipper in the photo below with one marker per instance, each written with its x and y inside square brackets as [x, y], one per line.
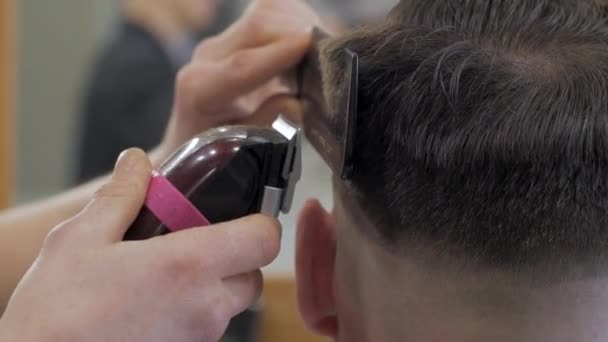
[221, 175]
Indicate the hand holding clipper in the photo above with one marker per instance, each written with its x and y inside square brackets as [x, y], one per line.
[221, 175]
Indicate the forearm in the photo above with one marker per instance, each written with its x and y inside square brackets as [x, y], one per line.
[23, 230]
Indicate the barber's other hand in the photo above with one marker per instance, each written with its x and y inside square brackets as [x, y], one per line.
[88, 285]
[232, 74]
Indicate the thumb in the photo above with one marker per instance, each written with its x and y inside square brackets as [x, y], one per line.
[117, 203]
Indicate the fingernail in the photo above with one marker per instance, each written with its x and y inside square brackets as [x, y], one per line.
[126, 161]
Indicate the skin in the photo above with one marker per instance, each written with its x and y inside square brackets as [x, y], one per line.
[351, 288]
[164, 288]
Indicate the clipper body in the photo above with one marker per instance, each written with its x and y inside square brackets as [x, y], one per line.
[223, 174]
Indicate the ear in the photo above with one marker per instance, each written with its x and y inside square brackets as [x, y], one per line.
[315, 262]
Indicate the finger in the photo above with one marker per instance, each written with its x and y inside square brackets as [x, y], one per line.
[264, 22]
[250, 103]
[223, 250]
[116, 204]
[241, 74]
[248, 69]
[243, 291]
[286, 105]
[263, 29]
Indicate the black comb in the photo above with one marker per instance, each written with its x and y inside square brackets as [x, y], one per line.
[331, 131]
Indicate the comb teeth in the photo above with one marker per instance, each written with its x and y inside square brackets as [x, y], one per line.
[351, 99]
[332, 134]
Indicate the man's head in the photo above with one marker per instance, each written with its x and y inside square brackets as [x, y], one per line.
[479, 203]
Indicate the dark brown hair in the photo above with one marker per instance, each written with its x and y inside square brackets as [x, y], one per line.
[483, 129]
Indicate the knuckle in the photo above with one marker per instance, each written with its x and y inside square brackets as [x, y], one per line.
[204, 47]
[255, 25]
[178, 265]
[58, 236]
[187, 78]
[184, 266]
[200, 49]
[192, 83]
[240, 65]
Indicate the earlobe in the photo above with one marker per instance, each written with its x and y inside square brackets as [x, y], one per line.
[315, 262]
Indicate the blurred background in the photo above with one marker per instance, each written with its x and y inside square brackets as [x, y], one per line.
[95, 77]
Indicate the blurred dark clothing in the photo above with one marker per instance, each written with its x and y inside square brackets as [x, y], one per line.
[128, 100]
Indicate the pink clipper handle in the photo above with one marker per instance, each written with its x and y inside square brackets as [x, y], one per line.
[171, 207]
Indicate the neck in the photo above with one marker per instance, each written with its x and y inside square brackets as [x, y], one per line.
[476, 307]
[382, 296]
[161, 21]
